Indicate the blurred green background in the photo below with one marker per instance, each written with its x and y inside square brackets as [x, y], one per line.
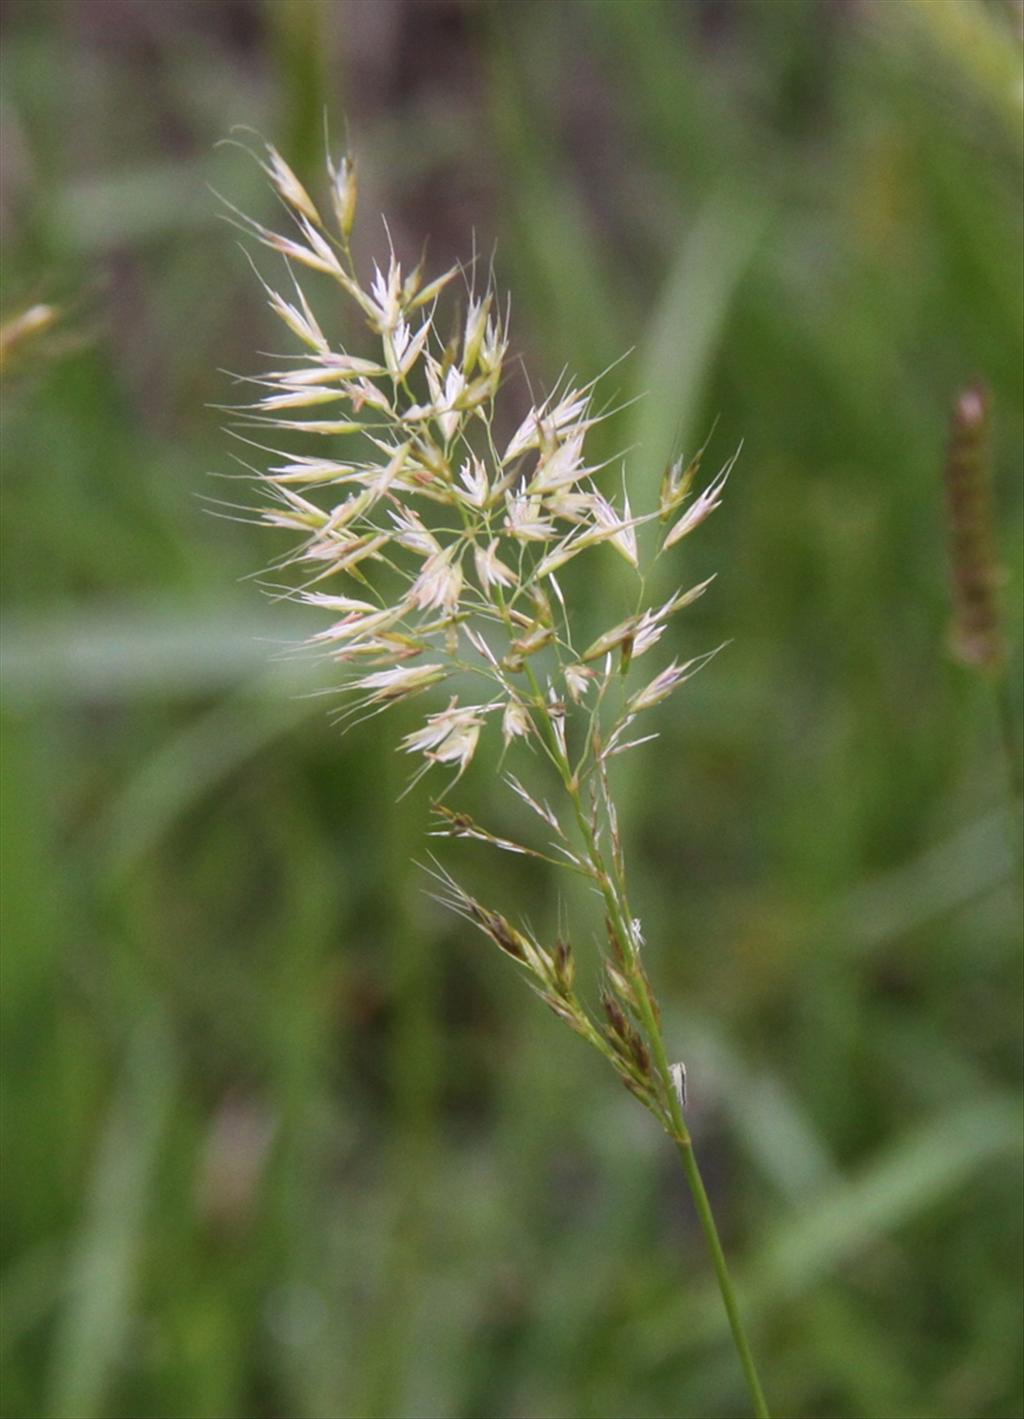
[283, 1139]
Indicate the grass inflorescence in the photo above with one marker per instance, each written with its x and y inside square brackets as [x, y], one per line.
[456, 539]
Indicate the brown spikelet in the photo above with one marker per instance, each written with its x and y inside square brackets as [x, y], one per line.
[616, 1018]
[615, 942]
[633, 1054]
[638, 1088]
[501, 931]
[562, 1010]
[641, 1054]
[565, 966]
[975, 637]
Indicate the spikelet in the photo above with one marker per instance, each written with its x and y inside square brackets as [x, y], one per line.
[975, 635]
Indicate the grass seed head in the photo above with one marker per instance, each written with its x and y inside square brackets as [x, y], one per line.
[976, 634]
[455, 543]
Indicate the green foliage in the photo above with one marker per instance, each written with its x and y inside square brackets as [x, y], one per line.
[282, 1138]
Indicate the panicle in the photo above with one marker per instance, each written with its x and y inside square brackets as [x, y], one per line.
[455, 539]
[447, 533]
[976, 636]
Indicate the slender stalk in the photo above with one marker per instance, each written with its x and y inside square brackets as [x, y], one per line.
[707, 1222]
[619, 912]
[705, 1215]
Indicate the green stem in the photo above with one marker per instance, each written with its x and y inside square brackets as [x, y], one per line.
[707, 1222]
[652, 1025]
[683, 1141]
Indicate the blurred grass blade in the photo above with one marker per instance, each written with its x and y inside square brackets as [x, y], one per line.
[913, 1174]
[684, 334]
[193, 763]
[770, 1124]
[976, 860]
[557, 254]
[975, 40]
[918, 1171]
[301, 45]
[32, 1286]
[97, 1321]
[173, 651]
[133, 205]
